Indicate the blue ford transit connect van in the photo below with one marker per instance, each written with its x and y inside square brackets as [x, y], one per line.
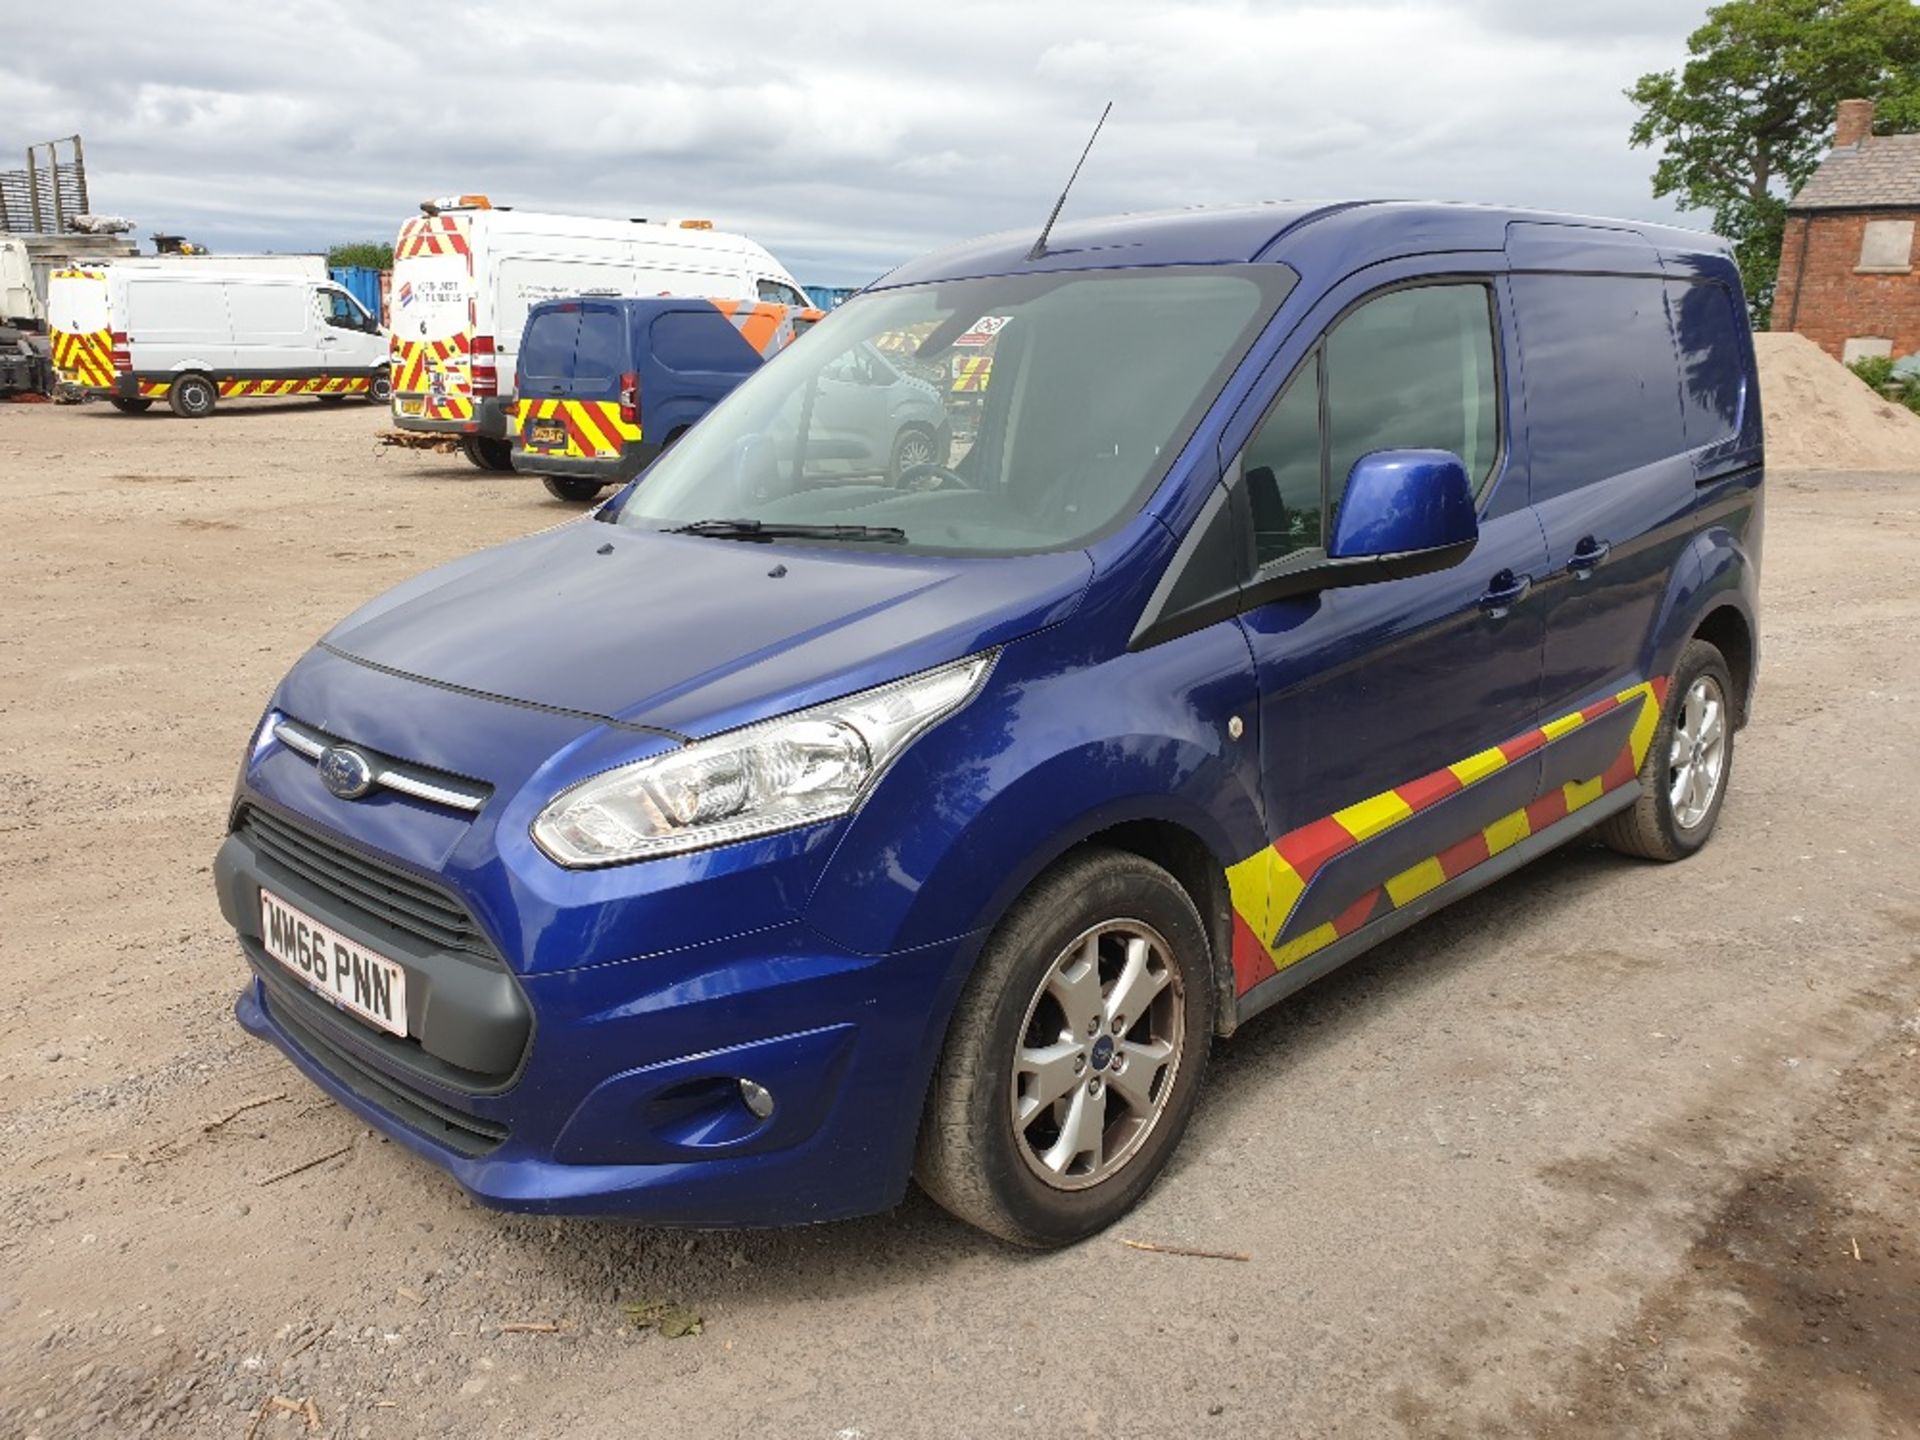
[1302, 569]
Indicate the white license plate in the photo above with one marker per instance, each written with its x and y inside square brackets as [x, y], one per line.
[351, 976]
[412, 407]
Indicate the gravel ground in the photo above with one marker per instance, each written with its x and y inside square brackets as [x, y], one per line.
[1609, 1149]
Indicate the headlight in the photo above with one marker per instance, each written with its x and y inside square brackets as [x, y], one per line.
[780, 774]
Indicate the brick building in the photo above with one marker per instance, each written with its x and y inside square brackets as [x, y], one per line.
[1849, 275]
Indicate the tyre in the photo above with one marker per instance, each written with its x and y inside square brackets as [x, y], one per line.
[192, 397]
[487, 454]
[380, 390]
[130, 404]
[1683, 781]
[1074, 1054]
[912, 446]
[579, 492]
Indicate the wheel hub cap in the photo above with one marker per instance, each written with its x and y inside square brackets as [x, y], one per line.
[1697, 761]
[1097, 1055]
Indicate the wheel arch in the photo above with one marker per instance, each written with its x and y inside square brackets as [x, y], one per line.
[1728, 630]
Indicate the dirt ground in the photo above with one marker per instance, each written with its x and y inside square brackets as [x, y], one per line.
[1610, 1149]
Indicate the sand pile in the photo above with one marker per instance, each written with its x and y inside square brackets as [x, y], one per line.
[1820, 417]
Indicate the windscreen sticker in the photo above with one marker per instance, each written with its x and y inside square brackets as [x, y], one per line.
[983, 330]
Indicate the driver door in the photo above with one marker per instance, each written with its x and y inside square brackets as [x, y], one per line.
[1389, 712]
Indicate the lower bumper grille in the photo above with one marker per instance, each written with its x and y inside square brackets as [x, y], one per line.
[460, 1132]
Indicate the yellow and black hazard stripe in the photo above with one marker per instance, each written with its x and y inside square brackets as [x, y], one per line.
[1321, 882]
[83, 359]
[971, 374]
[590, 429]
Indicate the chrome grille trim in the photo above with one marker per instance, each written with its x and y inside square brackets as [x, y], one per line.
[434, 786]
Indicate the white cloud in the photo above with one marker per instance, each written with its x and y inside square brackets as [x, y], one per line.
[846, 140]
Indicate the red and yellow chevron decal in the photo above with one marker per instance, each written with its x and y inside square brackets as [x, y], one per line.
[412, 363]
[83, 359]
[433, 235]
[1267, 887]
[312, 385]
[593, 428]
[971, 374]
[154, 389]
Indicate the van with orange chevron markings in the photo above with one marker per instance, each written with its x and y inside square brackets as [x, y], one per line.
[465, 273]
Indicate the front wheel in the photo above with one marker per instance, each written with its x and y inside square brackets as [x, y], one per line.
[913, 449]
[130, 404]
[578, 492]
[1683, 780]
[1074, 1056]
[192, 397]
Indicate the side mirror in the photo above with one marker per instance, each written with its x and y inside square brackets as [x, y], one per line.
[1405, 512]
[1409, 512]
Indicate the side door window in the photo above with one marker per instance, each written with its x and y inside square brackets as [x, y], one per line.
[1412, 369]
[781, 294]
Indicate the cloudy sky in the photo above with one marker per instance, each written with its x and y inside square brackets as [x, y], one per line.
[845, 136]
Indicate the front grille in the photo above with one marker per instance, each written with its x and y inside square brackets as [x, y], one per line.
[465, 1134]
[386, 894]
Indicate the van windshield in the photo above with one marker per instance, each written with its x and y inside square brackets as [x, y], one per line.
[1000, 415]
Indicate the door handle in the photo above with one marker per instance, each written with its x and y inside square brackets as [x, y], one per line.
[1587, 556]
[1506, 591]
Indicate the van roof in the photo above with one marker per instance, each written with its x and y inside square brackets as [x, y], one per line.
[508, 221]
[1307, 234]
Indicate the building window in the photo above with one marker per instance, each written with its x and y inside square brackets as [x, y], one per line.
[1865, 347]
[1887, 246]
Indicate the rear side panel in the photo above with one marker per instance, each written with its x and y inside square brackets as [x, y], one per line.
[78, 315]
[433, 314]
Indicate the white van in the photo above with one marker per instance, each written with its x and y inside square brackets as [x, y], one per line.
[465, 274]
[192, 336]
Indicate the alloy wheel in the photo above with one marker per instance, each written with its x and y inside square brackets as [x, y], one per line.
[1698, 758]
[1097, 1054]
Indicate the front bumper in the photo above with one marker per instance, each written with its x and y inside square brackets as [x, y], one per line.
[624, 1097]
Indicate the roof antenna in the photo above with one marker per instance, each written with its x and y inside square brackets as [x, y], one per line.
[1040, 246]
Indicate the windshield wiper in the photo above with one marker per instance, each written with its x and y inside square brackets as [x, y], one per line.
[779, 530]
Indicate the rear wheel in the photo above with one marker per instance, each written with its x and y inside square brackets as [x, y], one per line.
[130, 404]
[380, 388]
[192, 397]
[579, 492]
[1683, 780]
[487, 454]
[1074, 1056]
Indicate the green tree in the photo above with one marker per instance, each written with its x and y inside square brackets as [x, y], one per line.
[1744, 122]
[374, 254]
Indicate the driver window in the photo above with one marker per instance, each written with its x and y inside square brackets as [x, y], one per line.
[339, 311]
[1281, 470]
[781, 294]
